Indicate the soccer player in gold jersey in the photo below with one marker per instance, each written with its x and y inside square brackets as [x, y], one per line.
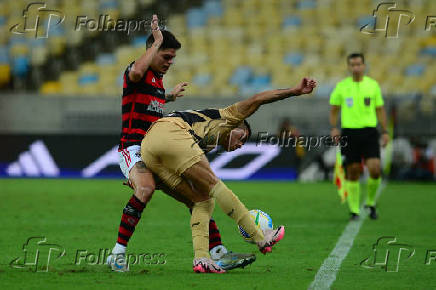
[174, 149]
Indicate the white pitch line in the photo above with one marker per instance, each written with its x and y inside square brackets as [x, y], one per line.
[326, 275]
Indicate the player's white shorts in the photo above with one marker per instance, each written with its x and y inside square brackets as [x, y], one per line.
[128, 158]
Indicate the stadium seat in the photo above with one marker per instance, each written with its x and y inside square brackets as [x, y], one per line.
[5, 72]
[241, 76]
[415, 70]
[50, 88]
[68, 81]
[20, 66]
[301, 37]
[196, 17]
[294, 58]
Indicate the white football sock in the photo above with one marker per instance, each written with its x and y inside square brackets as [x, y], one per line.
[119, 249]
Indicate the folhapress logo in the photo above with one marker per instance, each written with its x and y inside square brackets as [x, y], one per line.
[38, 254]
[388, 254]
[38, 19]
[388, 19]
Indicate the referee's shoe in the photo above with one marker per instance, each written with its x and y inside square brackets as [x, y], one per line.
[354, 216]
[372, 212]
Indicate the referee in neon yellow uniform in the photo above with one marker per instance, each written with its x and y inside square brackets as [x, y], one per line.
[360, 101]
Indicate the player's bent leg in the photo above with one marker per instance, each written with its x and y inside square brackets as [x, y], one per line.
[353, 189]
[218, 252]
[216, 248]
[176, 193]
[203, 177]
[143, 184]
[235, 209]
[374, 181]
[142, 181]
[201, 213]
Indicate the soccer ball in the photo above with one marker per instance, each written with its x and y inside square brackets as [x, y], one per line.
[262, 221]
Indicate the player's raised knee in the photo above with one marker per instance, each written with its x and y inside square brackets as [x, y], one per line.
[144, 192]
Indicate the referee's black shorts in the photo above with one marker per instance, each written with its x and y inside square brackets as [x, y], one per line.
[359, 143]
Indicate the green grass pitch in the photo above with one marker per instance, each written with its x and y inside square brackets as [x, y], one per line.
[84, 215]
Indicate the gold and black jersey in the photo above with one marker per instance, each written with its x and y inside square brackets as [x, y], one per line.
[209, 127]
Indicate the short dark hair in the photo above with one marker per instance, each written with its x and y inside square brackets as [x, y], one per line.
[355, 55]
[169, 41]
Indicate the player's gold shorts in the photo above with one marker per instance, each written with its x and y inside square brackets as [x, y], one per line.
[168, 149]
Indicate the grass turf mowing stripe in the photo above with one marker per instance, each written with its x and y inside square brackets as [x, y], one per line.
[326, 274]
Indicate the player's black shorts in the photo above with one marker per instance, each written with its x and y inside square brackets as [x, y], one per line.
[360, 143]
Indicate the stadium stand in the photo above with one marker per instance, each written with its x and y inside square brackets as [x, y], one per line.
[229, 47]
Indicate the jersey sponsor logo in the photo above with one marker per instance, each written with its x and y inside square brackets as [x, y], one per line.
[35, 162]
[155, 106]
[349, 102]
[367, 101]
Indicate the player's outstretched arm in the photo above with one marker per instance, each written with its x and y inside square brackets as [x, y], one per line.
[249, 106]
[142, 63]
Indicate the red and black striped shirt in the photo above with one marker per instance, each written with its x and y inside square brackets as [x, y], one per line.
[142, 104]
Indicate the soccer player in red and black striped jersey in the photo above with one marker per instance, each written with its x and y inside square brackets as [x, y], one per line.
[142, 104]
